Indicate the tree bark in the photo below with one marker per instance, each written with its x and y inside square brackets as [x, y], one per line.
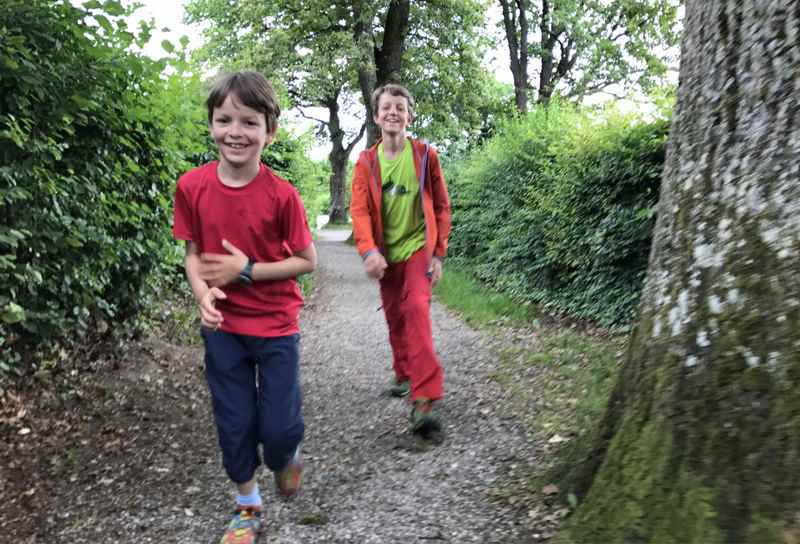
[515, 22]
[382, 64]
[337, 159]
[700, 441]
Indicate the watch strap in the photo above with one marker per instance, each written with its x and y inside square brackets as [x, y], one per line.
[246, 275]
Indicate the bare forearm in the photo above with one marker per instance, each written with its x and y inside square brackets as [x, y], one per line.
[198, 284]
[302, 262]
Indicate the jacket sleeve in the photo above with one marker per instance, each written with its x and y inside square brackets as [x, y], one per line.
[441, 204]
[360, 210]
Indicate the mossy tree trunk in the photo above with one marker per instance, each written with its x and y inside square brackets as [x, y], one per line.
[701, 439]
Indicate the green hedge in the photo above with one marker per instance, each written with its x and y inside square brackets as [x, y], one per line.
[558, 210]
[83, 181]
[92, 140]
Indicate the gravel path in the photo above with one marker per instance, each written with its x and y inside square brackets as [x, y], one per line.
[366, 476]
[130, 456]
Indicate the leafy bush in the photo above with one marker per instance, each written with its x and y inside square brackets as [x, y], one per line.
[558, 210]
[84, 174]
[93, 138]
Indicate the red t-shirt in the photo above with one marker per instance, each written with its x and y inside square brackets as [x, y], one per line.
[267, 221]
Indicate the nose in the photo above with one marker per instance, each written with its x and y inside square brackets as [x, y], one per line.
[235, 129]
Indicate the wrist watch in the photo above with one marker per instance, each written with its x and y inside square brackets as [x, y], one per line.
[246, 275]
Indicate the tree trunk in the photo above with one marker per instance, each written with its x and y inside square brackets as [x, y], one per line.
[515, 22]
[381, 65]
[700, 441]
[338, 160]
[550, 34]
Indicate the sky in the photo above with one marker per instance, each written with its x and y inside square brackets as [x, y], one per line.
[167, 14]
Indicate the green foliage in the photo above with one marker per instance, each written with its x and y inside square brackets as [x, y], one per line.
[590, 45]
[558, 210]
[289, 157]
[85, 177]
[310, 48]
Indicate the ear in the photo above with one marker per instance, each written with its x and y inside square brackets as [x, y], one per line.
[271, 135]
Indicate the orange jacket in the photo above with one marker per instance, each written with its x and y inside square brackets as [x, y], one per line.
[365, 202]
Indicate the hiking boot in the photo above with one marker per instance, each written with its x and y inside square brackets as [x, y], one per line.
[400, 388]
[423, 418]
[289, 479]
[244, 527]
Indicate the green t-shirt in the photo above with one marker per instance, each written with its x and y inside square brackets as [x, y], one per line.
[403, 224]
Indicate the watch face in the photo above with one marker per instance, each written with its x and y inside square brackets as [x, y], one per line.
[245, 279]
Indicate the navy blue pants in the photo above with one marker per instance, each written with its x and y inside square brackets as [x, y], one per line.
[255, 393]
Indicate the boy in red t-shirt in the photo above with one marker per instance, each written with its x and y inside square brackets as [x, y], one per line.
[247, 239]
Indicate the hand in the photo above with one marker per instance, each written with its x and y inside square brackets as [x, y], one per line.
[210, 317]
[435, 271]
[218, 269]
[375, 266]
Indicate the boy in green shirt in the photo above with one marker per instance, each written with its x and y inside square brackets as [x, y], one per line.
[401, 222]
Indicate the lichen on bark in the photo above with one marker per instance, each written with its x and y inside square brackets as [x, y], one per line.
[700, 442]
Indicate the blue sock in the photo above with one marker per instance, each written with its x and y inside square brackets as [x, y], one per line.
[253, 499]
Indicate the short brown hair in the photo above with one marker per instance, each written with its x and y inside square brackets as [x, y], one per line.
[393, 89]
[252, 89]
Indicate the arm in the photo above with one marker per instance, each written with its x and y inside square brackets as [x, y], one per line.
[205, 295]
[219, 269]
[374, 262]
[441, 206]
[441, 209]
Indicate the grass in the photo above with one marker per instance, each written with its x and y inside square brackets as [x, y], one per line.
[558, 388]
[478, 306]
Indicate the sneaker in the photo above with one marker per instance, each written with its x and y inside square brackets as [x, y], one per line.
[399, 388]
[289, 479]
[244, 527]
[423, 417]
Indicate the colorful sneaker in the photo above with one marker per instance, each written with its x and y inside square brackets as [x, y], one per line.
[400, 388]
[289, 479]
[244, 527]
[423, 418]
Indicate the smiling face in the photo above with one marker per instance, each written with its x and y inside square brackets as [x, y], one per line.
[240, 133]
[392, 114]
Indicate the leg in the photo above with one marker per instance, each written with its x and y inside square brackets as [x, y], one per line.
[280, 419]
[231, 380]
[392, 294]
[423, 364]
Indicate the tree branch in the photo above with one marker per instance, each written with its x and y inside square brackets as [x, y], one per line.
[355, 140]
[310, 117]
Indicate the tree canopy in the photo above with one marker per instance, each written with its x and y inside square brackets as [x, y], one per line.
[578, 47]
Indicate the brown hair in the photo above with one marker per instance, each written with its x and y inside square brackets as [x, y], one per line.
[252, 89]
[393, 89]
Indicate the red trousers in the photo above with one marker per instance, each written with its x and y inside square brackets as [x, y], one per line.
[406, 297]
